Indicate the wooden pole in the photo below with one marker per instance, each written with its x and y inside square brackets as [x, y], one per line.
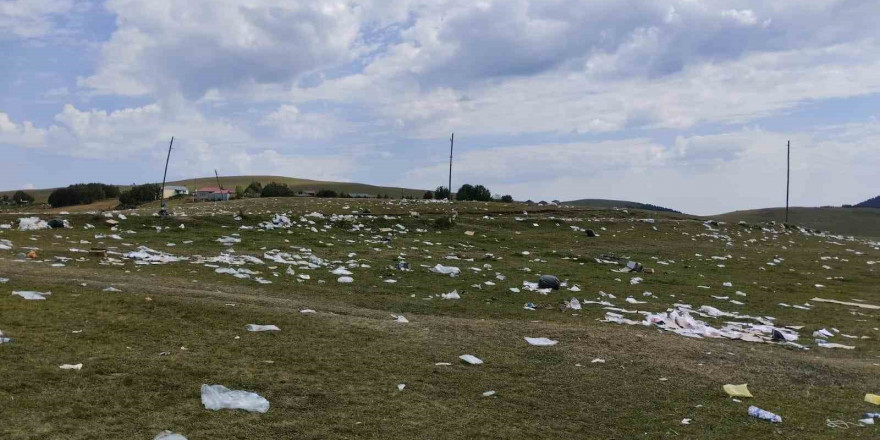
[451, 140]
[168, 158]
[787, 179]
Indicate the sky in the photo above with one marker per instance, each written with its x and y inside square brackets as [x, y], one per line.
[686, 104]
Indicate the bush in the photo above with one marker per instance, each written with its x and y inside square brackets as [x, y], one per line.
[326, 193]
[82, 194]
[441, 193]
[477, 193]
[138, 194]
[273, 190]
[507, 198]
[22, 198]
[444, 222]
[428, 195]
[255, 189]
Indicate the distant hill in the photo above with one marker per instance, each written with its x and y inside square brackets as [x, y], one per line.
[230, 182]
[870, 203]
[849, 221]
[606, 203]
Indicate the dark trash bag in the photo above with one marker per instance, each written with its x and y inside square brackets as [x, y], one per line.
[548, 282]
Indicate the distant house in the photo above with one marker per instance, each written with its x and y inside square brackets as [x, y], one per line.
[306, 193]
[213, 194]
[171, 191]
[362, 196]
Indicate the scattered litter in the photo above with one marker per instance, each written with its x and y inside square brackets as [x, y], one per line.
[451, 295]
[541, 342]
[737, 390]
[345, 280]
[872, 398]
[30, 295]
[262, 328]
[489, 393]
[685, 421]
[446, 270]
[71, 367]
[471, 359]
[597, 361]
[401, 386]
[111, 289]
[754, 411]
[168, 435]
[217, 397]
[548, 282]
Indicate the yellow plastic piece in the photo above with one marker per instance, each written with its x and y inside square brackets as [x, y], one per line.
[872, 398]
[737, 390]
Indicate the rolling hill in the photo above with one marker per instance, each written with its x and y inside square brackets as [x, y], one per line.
[230, 182]
[870, 203]
[850, 221]
[607, 203]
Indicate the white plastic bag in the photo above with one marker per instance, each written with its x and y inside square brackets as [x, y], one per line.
[451, 295]
[31, 295]
[471, 359]
[262, 328]
[541, 342]
[446, 270]
[168, 435]
[217, 397]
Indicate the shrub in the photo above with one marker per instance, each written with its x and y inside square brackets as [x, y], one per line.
[82, 194]
[274, 190]
[444, 222]
[138, 194]
[327, 193]
[478, 193]
[507, 198]
[255, 189]
[428, 195]
[22, 198]
[441, 193]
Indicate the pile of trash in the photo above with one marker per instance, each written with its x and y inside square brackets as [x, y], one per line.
[145, 255]
[680, 321]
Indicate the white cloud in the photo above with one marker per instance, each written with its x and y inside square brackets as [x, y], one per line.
[744, 17]
[22, 135]
[31, 18]
[193, 46]
[289, 122]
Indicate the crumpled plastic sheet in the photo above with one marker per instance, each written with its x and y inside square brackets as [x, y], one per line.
[216, 397]
[541, 342]
[145, 255]
[446, 270]
[32, 224]
[31, 295]
[5, 245]
[680, 321]
[168, 435]
[262, 328]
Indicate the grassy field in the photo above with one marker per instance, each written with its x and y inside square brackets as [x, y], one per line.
[850, 221]
[230, 182]
[147, 348]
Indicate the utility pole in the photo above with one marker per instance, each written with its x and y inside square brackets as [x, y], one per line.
[218, 179]
[787, 179]
[168, 158]
[451, 140]
[163, 209]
